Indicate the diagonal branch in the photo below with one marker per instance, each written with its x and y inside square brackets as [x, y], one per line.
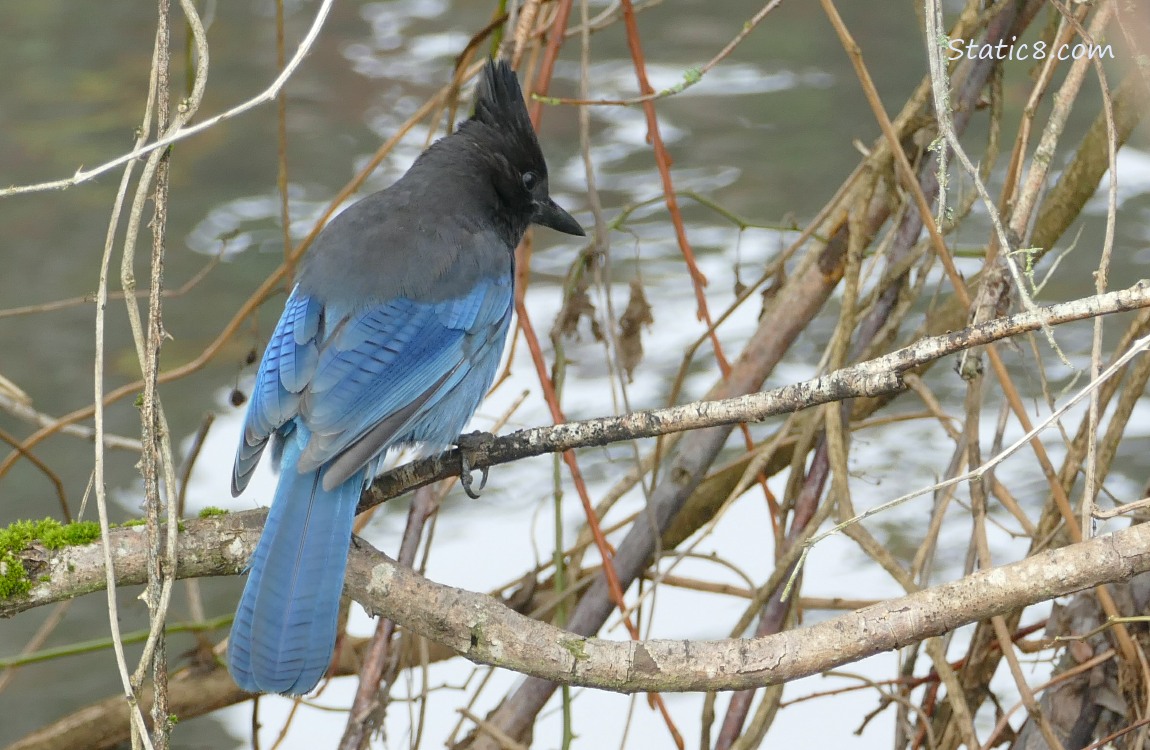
[870, 378]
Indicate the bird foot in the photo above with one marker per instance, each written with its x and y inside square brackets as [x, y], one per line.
[468, 444]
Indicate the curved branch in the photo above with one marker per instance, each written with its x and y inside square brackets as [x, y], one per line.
[483, 630]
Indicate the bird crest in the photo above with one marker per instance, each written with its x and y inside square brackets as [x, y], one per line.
[499, 105]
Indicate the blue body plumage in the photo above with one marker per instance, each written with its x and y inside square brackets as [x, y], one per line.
[391, 336]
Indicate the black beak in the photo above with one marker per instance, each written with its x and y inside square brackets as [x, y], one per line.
[549, 214]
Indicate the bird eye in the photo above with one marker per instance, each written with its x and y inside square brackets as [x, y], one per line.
[530, 180]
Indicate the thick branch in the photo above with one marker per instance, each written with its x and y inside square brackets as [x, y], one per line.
[485, 631]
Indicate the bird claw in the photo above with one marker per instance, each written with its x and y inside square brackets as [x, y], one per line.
[466, 480]
[468, 444]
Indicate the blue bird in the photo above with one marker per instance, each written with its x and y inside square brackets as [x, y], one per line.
[391, 337]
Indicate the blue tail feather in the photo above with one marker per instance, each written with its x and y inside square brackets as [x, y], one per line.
[285, 626]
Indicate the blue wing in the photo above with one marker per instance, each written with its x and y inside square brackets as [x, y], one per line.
[361, 381]
[285, 370]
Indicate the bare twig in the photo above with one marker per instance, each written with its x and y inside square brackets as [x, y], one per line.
[267, 95]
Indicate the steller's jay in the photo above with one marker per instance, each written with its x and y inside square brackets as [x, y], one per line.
[391, 336]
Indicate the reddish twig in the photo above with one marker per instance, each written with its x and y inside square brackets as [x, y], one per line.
[547, 65]
[543, 79]
[65, 512]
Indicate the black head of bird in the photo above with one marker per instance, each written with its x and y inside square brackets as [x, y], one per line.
[498, 148]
